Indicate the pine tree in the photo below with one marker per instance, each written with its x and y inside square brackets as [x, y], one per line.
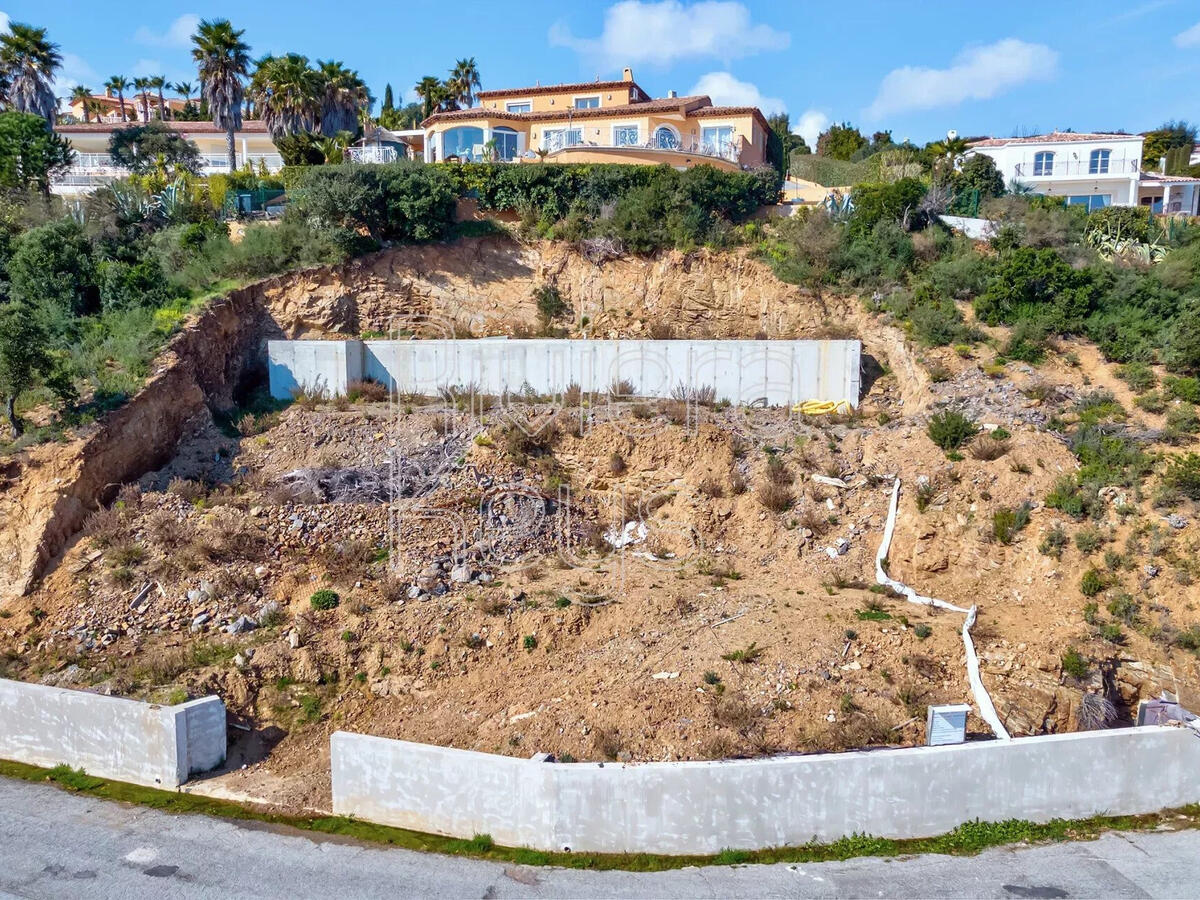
[387, 99]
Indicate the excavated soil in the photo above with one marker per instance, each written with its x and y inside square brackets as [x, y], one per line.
[486, 609]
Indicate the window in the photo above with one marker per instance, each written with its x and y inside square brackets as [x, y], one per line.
[523, 107]
[587, 102]
[556, 139]
[625, 135]
[1098, 162]
[1093, 202]
[665, 138]
[1043, 163]
[506, 143]
[465, 143]
[717, 139]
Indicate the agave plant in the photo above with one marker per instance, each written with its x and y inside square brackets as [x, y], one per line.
[130, 203]
[174, 200]
[1111, 244]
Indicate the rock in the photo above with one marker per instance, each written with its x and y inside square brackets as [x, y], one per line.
[294, 640]
[460, 574]
[260, 571]
[414, 592]
[440, 589]
[241, 625]
[195, 596]
[1175, 520]
[842, 546]
[200, 620]
[662, 676]
[1151, 571]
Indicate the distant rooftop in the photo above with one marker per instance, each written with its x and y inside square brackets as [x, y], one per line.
[1057, 137]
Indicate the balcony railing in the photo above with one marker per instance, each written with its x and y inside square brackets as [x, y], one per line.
[1077, 168]
[373, 154]
[726, 150]
[219, 162]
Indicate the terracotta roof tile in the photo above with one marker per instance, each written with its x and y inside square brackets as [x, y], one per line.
[251, 126]
[543, 89]
[663, 104]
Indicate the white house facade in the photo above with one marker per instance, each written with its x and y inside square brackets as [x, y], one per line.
[1092, 170]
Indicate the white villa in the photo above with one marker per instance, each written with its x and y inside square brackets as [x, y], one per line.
[1092, 170]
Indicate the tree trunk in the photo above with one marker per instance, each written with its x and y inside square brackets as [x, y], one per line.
[10, 412]
[230, 150]
[121, 100]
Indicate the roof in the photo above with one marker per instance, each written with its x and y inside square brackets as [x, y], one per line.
[1166, 179]
[541, 89]
[251, 126]
[1056, 137]
[699, 106]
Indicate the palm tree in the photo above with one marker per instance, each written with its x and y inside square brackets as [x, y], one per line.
[345, 95]
[334, 147]
[28, 61]
[464, 81]
[288, 92]
[429, 89]
[119, 83]
[185, 89]
[83, 96]
[223, 59]
[158, 82]
[142, 85]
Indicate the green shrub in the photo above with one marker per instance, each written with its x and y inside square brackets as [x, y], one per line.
[1092, 582]
[1089, 540]
[324, 599]
[1053, 541]
[1027, 343]
[1006, 523]
[1187, 389]
[1183, 475]
[951, 429]
[1074, 664]
[1139, 376]
[1124, 608]
[1028, 283]
[1112, 633]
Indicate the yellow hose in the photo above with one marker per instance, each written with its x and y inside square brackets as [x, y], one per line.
[822, 407]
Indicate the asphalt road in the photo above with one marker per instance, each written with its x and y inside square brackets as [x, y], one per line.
[55, 844]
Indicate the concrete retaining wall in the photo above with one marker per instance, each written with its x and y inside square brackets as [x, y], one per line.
[743, 372]
[703, 807]
[111, 737]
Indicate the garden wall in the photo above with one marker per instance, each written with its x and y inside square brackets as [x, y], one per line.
[111, 737]
[704, 807]
[743, 372]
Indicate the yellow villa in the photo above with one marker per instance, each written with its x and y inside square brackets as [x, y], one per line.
[598, 122]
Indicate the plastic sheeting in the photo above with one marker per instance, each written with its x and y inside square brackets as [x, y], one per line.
[983, 700]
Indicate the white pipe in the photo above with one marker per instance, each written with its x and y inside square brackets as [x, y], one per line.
[987, 710]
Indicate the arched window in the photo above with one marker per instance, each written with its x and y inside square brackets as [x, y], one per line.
[1098, 162]
[465, 142]
[1043, 163]
[506, 142]
[665, 138]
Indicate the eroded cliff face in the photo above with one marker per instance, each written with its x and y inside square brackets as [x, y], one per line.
[476, 286]
[48, 492]
[486, 287]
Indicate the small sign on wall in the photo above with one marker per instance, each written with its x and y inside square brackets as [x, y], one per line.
[946, 724]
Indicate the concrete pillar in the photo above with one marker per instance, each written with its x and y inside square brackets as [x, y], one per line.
[1166, 198]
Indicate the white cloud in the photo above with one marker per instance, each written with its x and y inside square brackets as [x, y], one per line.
[178, 34]
[810, 125]
[664, 32]
[1189, 37]
[725, 90]
[74, 71]
[4, 20]
[977, 73]
[146, 68]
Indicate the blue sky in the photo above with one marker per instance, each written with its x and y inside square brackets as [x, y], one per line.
[918, 68]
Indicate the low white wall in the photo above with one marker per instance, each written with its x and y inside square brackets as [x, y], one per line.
[111, 737]
[743, 372]
[703, 807]
[975, 229]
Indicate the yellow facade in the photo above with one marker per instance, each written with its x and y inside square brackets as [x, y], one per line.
[598, 121]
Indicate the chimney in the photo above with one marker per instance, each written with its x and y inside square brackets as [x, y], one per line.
[627, 74]
[672, 95]
[108, 92]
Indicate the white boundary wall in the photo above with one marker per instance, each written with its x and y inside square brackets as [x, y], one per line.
[111, 737]
[703, 807]
[743, 372]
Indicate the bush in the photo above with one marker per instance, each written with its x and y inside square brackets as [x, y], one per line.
[1053, 542]
[775, 496]
[895, 202]
[1183, 475]
[1139, 376]
[1037, 284]
[324, 599]
[951, 429]
[1006, 523]
[1074, 664]
[402, 201]
[1092, 582]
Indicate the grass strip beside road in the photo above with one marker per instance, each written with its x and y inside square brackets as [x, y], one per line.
[967, 839]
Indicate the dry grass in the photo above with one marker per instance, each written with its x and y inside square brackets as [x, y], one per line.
[105, 526]
[814, 519]
[850, 731]
[367, 391]
[734, 711]
[712, 488]
[622, 389]
[985, 447]
[661, 331]
[616, 464]
[167, 532]
[347, 561]
[187, 490]
[774, 496]
[607, 741]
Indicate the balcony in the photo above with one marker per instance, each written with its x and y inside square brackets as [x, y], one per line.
[214, 163]
[725, 150]
[1079, 168]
